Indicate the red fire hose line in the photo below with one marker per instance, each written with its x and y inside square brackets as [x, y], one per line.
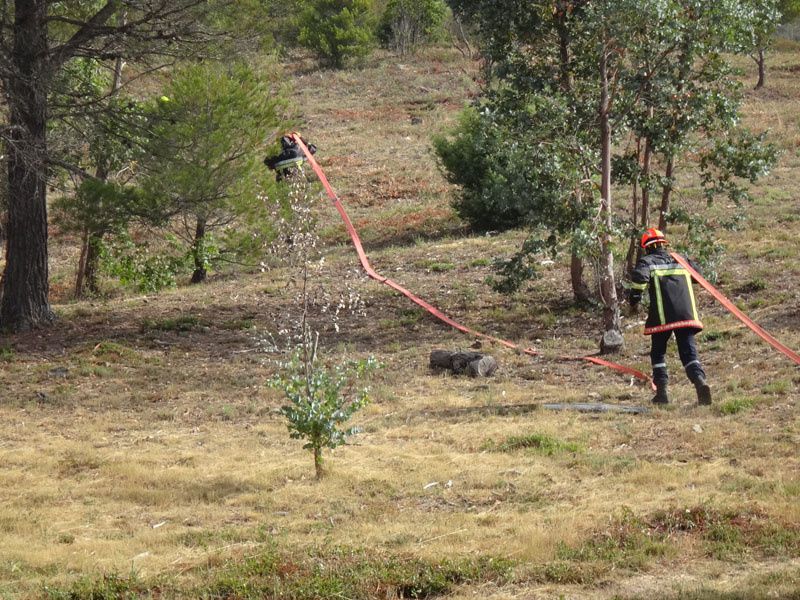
[419, 301]
[731, 307]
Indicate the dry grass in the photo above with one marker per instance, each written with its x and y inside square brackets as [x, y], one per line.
[128, 444]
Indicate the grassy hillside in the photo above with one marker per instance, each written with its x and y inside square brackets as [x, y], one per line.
[142, 453]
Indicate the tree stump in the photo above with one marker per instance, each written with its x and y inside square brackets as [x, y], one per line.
[473, 364]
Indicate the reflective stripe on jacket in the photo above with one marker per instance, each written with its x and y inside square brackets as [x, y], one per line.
[289, 162]
[672, 302]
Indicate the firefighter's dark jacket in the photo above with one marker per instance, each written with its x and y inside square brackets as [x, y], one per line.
[672, 302]
[291, 155]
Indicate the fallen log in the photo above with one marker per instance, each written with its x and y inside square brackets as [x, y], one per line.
[473, 364]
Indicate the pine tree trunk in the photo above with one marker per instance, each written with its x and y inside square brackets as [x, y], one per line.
[92, 264]
[198, 253]
[88, 265]
[25, 301]
[612, 340]
[79, 277]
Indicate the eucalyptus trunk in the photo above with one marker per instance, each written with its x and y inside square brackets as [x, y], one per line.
[666, 194]
[646, 166]
[580, 290]
[612, 340]
[762, 69]
[629, 257]
[318, 467]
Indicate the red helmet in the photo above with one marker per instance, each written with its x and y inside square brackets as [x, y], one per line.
[653, 236]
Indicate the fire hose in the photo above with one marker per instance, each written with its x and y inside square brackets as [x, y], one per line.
[734, 310]
[365, 264]
[368, 269]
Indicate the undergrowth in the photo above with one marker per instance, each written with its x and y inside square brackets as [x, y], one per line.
[329, 573]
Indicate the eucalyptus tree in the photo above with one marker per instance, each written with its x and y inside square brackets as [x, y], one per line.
[38, 41]
[687, 117]
[648, 70]
[575, 52]
[529, 96]
[765, 16]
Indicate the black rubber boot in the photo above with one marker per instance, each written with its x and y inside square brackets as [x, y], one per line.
[703, 391]
[661, 394]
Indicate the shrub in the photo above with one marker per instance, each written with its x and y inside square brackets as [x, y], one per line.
[321, 400]
[506, 179]
[337, 30]
[467, 159]
[139, 266]
[405, 24]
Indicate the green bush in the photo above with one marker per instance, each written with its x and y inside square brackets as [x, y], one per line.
[338, 30]
[140, 267]
[321, 400]
[467, 159]
[405, 24]
[507, 178]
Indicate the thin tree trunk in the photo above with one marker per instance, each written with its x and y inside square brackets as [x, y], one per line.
[461, 41]
[646, 165]
[629, 257]
[580, 290]
[88, 265]
[563, 47]
[198, 253]
[25, 301]
[90, 250]
[79, 277]
[666, 194]
[612, 340]
[318, 468]
[92, 263]
[762, 69]
[119, 63]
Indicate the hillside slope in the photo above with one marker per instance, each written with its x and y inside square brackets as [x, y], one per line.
[142, 451]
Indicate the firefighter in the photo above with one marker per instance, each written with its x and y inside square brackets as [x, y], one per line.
[672, 310]
[290, 159]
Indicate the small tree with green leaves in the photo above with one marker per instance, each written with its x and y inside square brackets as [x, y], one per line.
[765, 17]
[338, 30]
[96, 148]
[405, 24]
[98, 209]
[321, 399]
